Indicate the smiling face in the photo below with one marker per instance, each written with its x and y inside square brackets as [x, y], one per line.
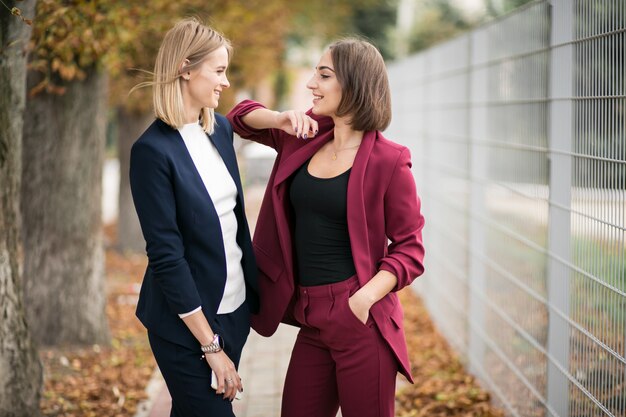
[325, 87]
[206, 82]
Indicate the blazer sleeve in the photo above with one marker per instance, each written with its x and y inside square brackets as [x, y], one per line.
[403, 225]
[274, 138]
[269, 137]
[154, 199]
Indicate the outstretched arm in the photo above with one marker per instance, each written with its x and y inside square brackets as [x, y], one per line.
[251, 120]
[293, 122]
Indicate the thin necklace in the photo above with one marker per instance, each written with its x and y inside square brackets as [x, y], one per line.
[334, 157]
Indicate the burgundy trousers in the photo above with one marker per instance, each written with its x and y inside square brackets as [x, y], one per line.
[337, 361]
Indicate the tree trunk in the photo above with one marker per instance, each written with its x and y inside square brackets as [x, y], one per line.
[20, 369]
[130, 126]
[64, 138]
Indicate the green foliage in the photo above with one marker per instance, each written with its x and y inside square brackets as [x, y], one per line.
[437, 20]
[323, 20]
[497, 8]
[431, 30]
[375, 21]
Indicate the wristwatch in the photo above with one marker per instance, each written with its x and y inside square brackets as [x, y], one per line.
[215, 346]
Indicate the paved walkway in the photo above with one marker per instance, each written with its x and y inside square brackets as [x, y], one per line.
[262, 369]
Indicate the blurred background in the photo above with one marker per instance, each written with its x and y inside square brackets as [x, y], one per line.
[514, 111]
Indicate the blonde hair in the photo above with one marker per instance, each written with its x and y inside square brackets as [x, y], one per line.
[189, 40]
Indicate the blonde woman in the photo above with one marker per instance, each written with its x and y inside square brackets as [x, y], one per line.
[200, 284]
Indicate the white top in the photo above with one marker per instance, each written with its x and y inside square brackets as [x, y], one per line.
[223, 192]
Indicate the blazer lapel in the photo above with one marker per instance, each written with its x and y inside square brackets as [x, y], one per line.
[225, 149]
[183, 154]
[357, 220]
[300, 156]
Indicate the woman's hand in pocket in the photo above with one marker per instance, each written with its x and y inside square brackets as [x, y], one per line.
[360, 305]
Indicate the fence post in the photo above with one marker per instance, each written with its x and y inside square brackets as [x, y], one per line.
[478, 167]
[560, 183]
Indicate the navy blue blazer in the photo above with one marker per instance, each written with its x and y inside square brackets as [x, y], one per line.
[184, 244]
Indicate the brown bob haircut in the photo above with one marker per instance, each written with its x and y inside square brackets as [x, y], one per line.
[365, 94]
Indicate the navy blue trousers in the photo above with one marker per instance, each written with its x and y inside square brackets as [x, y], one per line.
[188, 377]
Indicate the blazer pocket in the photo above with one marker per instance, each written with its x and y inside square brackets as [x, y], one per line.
[266, 264]
[397, 316]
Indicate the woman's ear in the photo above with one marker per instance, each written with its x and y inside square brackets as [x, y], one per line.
[182, 70]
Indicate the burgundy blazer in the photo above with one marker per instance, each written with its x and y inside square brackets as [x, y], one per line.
[384, 223]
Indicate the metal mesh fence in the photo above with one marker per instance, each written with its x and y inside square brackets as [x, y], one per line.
[519, 150]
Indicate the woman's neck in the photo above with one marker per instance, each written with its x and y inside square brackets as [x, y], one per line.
[191, 114]
[344, 135]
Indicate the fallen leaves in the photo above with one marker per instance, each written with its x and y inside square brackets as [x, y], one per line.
[103, 381]
[110, 381]
[442, 386]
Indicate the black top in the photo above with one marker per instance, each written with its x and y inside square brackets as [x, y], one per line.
[322, 241]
